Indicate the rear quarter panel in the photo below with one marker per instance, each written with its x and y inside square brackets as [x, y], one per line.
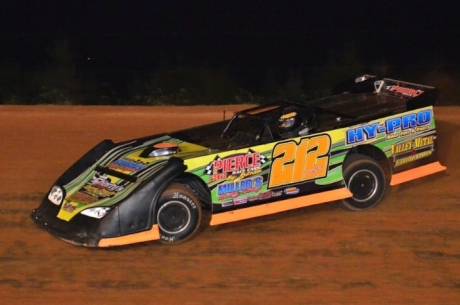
[312, 164]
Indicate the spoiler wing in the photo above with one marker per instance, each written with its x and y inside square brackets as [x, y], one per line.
[415, 95]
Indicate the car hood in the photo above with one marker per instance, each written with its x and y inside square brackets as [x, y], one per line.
[121, 170]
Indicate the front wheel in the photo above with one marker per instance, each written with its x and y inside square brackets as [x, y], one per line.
[366, 181]
[178, 213]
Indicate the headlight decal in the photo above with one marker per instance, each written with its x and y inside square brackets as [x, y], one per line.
[56, 195]
[97, 212]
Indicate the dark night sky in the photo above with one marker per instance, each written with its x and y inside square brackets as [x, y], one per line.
[140, 35]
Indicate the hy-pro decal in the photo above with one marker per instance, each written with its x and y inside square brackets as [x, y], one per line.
[394, 127]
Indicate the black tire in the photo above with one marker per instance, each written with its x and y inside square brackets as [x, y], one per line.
[178, 214]
[366, 181]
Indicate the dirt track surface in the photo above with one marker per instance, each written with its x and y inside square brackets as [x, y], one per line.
[404, 251]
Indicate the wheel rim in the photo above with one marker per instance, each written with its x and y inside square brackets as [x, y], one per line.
[173, 217]
[363, 184]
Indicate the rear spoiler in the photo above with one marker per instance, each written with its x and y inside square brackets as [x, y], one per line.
[416, 95]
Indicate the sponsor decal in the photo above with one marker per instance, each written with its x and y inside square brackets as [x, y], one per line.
[97, 188]
[104, 182]
[235, 188]
[277, 193]
[408, 92]
[178, 195]
[410, 145]
[407, 124]
[126, 165]
[299, 162]
[413, 150]
[291, 191]
[237, 201]
[99, 192]
[265, 195]
[227, 203]
[414, 157]
[235, 166]
[68, 207]
[83, 198]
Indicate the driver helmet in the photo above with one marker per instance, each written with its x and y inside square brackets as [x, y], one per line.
[289, 122]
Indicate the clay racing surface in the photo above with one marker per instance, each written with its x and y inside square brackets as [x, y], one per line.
[404, 251]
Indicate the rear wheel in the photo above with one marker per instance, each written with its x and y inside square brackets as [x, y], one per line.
[366, 181]
[178, 213]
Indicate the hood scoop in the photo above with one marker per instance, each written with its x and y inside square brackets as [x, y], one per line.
[160, 150]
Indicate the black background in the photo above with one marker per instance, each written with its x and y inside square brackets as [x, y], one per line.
[244, 37]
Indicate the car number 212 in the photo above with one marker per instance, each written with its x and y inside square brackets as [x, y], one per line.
[297, 162]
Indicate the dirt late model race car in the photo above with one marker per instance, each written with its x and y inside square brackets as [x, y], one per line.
[347, 147]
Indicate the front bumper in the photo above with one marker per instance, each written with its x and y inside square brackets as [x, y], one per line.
[86, 231]
[81, 230]
[129, 221]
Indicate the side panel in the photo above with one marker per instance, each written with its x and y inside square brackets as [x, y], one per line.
[274, 172]
[272, 175]
[408, 139]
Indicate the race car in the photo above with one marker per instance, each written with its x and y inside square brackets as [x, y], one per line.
[348, 148]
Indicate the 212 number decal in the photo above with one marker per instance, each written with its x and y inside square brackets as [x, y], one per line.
[297, 162]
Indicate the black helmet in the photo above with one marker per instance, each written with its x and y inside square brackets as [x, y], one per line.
[289, 122]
